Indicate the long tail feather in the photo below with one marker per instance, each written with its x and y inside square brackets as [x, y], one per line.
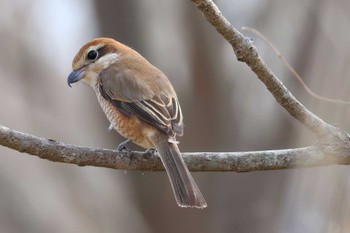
[186, 191]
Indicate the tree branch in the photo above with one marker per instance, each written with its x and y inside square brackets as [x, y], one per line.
[332, 147]
[247, 52]
[200, 161]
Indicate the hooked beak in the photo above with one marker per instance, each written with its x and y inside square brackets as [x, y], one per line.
[75, 76]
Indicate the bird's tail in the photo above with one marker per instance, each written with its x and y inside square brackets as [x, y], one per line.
[186, 191]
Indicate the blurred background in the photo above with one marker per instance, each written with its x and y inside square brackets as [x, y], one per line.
[226, 108]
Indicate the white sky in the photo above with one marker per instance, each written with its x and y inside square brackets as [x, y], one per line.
[68, 24]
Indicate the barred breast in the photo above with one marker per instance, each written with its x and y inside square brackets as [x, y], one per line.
[129, 127]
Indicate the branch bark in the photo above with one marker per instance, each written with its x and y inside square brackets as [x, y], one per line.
[247, 52]
[199, 161]
[332, 147]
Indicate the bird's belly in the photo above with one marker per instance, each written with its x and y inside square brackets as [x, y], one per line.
[129, 127]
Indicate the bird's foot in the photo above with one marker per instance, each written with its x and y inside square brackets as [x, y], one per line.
[123, 147]
[152, 152]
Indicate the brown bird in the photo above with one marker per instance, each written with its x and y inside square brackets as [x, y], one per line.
[141, 104]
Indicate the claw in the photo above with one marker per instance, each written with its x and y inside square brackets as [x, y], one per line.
[151, 151]
[124, 146]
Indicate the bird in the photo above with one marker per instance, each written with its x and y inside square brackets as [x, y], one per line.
[141, 105]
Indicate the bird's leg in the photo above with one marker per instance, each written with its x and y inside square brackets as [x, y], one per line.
[124, 146]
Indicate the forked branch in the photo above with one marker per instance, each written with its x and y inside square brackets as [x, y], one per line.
[332, 147]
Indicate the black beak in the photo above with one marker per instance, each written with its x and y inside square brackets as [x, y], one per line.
[75, 76]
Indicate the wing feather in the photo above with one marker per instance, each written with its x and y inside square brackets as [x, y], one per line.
[132, 91]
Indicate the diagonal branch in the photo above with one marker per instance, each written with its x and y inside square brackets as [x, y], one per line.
[247, 52]
[331, 140]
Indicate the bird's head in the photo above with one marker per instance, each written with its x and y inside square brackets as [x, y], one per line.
[93, 58]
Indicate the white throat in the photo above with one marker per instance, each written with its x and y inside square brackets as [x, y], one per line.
[101, 64]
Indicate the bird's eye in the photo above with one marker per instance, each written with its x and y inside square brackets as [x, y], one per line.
[92, 55]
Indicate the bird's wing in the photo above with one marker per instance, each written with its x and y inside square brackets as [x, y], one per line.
[146, 95]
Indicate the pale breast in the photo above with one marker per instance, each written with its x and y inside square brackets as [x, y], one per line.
[129, 127]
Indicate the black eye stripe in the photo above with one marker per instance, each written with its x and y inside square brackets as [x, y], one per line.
[105, 50]
[93, 55]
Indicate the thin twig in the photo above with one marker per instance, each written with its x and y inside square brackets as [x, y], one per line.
[292, 70]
